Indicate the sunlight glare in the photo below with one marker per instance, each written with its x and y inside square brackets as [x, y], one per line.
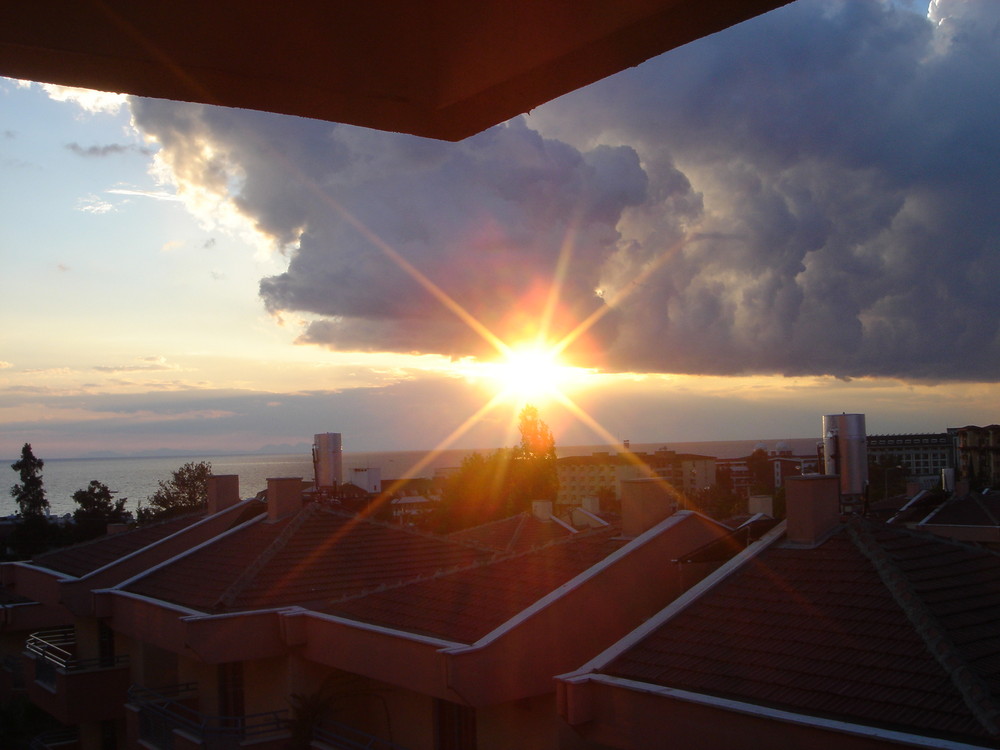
[532, 372]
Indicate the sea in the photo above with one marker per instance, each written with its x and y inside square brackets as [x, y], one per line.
[136, 478]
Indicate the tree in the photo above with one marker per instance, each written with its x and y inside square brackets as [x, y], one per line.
[186, 491]
[761, 473]
[502, 483]
[535, 476]
[96, 507]
[29, 493]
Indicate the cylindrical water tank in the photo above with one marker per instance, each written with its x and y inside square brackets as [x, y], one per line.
[845, 451]
[328, 460]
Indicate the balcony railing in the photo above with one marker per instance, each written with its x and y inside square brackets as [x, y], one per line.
[56, 739]
[165, 710]
[56, 650]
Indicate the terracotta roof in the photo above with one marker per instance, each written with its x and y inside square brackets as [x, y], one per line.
[974, 509]
[338, 563]
[878, 626]
[515, 534]
[317, 555]
[84, 558]
[466, 604]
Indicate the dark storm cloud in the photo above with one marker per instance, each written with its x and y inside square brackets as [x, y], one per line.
[813, 191]
[846, 160]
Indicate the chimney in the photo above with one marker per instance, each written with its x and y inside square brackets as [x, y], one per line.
[284, 497]
[223, 492]
[813, 508]
[646, 502]
[542, 509]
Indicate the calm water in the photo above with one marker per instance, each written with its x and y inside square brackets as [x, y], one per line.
[138, 478]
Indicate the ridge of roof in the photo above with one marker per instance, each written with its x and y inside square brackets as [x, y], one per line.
[229, 596]
[971, 687]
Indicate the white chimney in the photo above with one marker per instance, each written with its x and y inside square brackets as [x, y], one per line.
[542, 509]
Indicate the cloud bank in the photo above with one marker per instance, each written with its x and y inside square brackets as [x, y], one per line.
[811, 192]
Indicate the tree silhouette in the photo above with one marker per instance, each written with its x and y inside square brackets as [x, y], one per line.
[186, 491]
[96, 508]
[29, 494]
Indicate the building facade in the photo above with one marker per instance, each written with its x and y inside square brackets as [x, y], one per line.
[922, 456]
[602, 473]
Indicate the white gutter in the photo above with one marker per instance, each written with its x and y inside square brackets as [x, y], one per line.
[380, 629]
[678, 604]
[775, 714]
[577, 581]
[162, 604]
[186, 552]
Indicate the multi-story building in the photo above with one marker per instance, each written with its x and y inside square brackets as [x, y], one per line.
[978, 453]
[258, 623]
[922, 456]
[583, 477]
[783, 464]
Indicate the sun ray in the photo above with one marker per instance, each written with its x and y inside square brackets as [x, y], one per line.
[386, 494]
[587, 323]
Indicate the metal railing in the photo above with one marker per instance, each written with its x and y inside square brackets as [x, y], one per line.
[162, 711]
[57, 648]
[54, 739]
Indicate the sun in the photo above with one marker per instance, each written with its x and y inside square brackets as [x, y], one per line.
[531, 372]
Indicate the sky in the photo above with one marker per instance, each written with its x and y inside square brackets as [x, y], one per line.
[794, 217]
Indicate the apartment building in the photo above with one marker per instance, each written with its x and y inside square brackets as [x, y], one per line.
[827, 633]
[922, 456]
[584, 477]
[257, 623]
[978, 450]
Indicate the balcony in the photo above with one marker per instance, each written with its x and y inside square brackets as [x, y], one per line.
[57, 739]
[71, 689]
[167, 720]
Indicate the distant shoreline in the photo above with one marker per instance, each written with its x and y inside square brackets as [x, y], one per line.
[706, 447]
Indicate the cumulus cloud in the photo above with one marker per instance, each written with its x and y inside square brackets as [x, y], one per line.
[485, 221]
[810, 192]
[846, 172]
